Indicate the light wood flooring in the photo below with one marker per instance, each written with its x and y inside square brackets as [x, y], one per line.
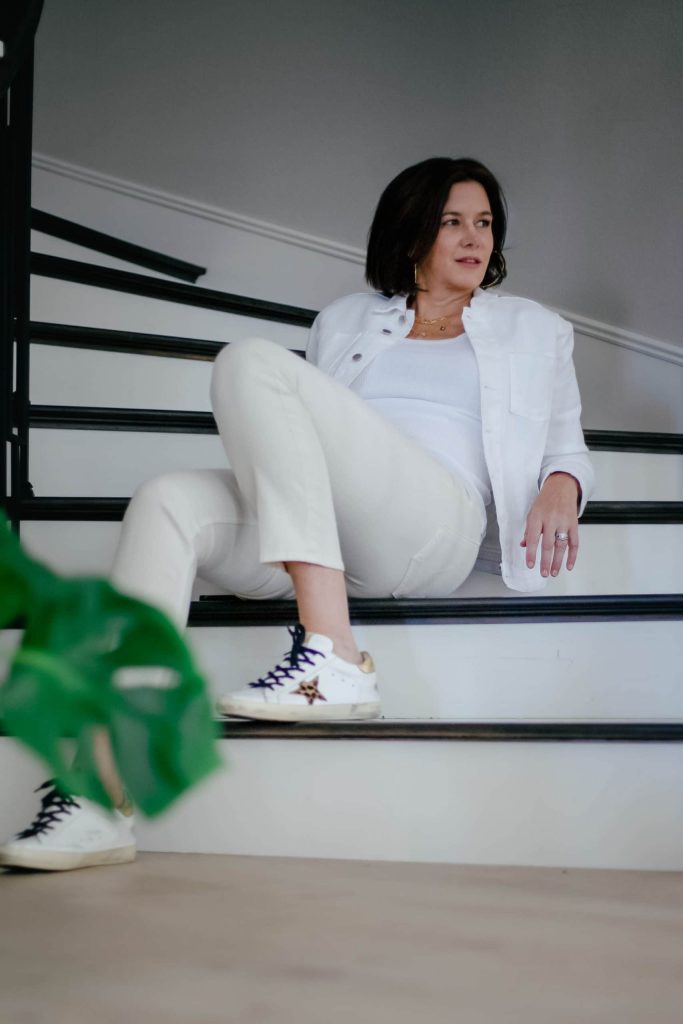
[204, 939]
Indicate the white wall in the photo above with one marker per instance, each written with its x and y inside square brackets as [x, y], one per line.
[622, 389]
[298, 112]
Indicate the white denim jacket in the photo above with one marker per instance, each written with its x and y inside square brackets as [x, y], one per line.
[530, 405]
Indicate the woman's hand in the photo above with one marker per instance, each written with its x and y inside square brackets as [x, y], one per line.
[553, 512]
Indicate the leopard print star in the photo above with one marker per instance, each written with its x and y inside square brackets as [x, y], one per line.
[310, 691]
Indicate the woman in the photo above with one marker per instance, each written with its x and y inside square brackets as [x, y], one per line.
[367, 470]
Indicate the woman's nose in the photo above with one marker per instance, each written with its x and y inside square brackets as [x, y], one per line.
[470, 234]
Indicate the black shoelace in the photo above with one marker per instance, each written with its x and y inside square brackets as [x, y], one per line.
[297, 656]
[52, 806]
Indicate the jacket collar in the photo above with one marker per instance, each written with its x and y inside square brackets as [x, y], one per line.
[385, 305]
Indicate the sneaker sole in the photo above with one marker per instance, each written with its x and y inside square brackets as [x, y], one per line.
[64, 860]
[289, 713]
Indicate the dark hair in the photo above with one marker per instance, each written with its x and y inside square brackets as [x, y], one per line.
[408, 217]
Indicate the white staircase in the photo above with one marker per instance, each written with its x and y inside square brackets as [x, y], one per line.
[517, 730]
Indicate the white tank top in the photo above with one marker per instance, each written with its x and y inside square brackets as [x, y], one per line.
[430, 391]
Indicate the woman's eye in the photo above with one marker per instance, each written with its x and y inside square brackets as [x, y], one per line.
[456, 221]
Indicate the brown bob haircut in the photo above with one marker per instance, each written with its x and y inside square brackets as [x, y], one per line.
[408, 217]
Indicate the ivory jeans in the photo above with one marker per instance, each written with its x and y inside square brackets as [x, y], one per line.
[315, 475]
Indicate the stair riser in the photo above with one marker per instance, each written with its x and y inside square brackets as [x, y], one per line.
[79, 376]
[52, 246]
[635, 558]
[575, 805]
[63, 302]
[486, 672]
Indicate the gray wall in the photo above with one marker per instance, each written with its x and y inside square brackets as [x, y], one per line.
[298, 113]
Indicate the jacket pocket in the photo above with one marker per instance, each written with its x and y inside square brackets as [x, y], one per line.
[532, 379]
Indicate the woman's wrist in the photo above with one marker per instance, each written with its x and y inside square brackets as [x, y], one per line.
[567, 477]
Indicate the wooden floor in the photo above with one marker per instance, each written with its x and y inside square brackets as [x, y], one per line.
[203, 939]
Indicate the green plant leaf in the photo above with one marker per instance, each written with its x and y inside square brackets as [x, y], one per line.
[92, 658]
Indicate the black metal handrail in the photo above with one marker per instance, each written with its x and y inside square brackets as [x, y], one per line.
[98, 241]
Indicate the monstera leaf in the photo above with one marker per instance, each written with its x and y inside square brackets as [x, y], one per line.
[92, 658]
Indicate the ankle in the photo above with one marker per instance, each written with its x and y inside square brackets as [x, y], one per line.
[342, 647]
[348, 652]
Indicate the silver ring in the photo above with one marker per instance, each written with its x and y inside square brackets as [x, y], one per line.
[561, 536]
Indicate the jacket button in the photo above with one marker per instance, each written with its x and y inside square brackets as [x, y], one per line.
[356, 356]
[385, 330]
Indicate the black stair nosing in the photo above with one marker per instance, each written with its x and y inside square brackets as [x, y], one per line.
[58, 509]
[130, 342]
[108, 508]
[99, 241]
[59, 417]
[621, 512]
[168, 291]
[435, 730]
[634, 441]
[232, 611]
[236, 612]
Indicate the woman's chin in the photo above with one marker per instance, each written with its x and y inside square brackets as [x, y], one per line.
[466, 281]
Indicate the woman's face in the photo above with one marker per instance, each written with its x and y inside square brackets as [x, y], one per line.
[460, 255]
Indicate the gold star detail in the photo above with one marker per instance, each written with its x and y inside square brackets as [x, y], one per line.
[310, 691]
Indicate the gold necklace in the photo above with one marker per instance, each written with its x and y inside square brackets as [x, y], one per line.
[437, 320]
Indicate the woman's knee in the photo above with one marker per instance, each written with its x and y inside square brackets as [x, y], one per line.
[183, 505]
[160, 493]
[240, 357]
[186, 496]
[242, 354]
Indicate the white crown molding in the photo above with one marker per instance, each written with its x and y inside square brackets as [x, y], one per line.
[618, 336]
[583, 325]
[202, 210]
[664, 350]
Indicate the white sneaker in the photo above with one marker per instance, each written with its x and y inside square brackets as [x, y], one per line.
[313, 685]
[71, 832]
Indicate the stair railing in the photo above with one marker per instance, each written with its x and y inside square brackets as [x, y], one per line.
[18, 25]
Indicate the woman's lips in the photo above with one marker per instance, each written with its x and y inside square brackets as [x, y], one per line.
[469, 261]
